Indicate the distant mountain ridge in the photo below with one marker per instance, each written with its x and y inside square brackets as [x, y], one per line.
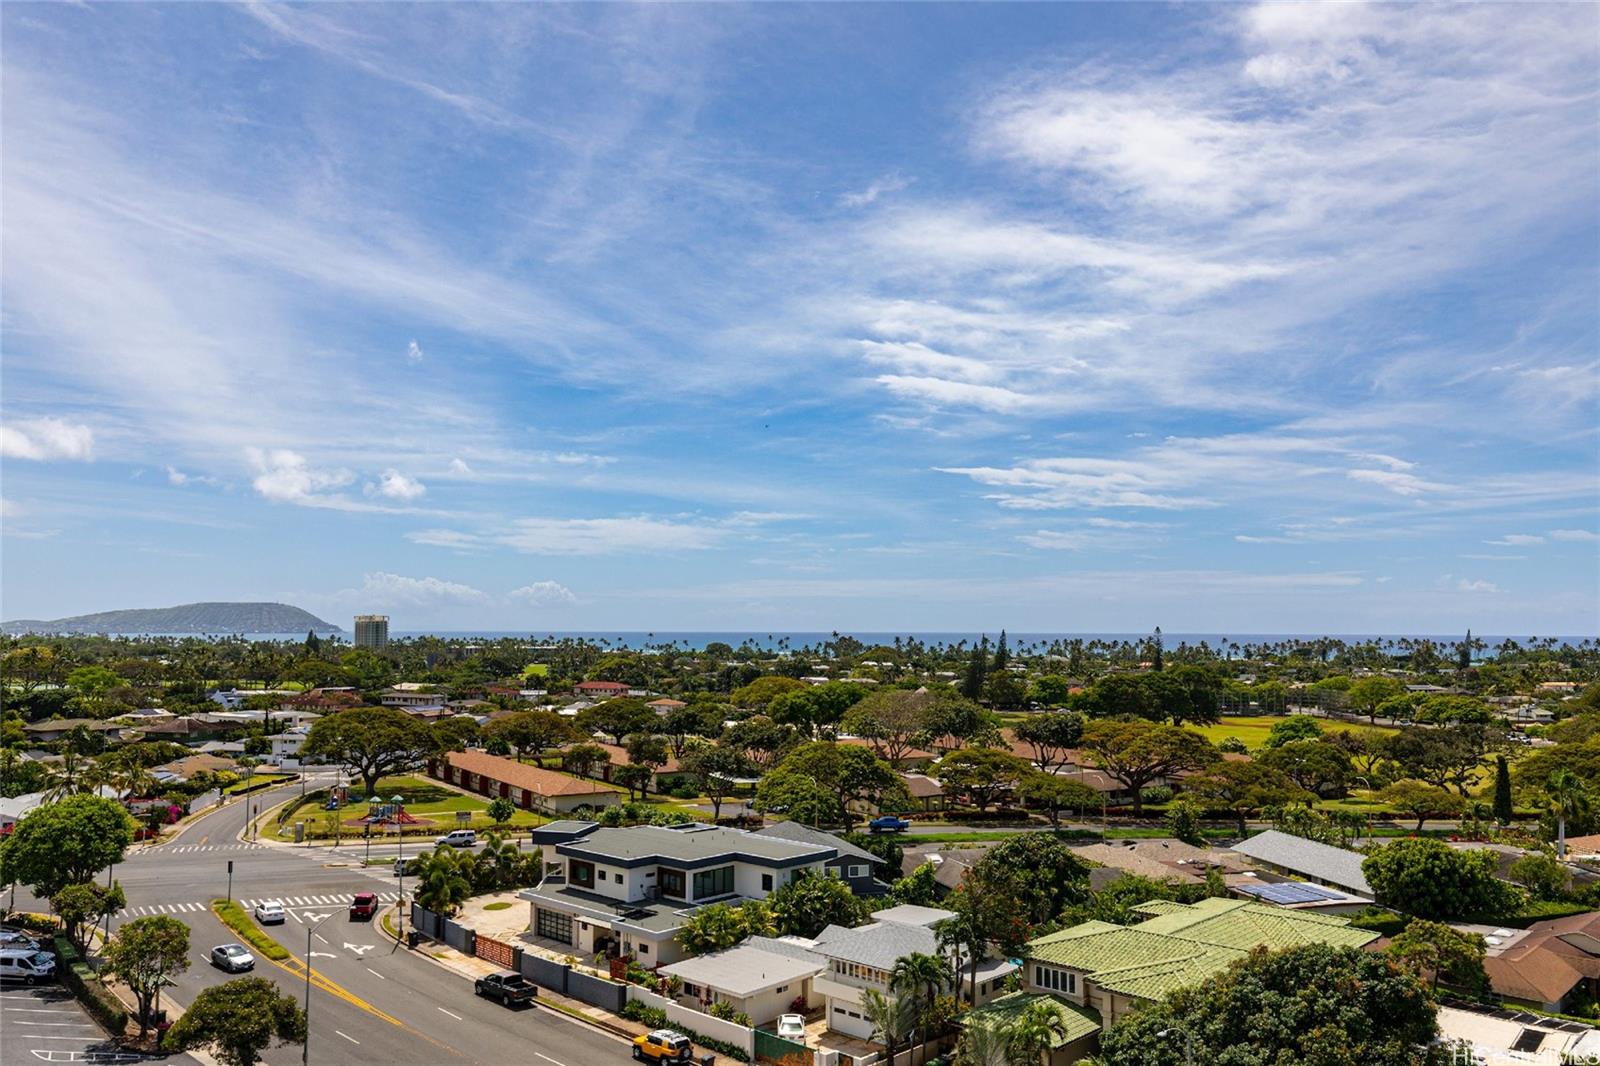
[204, 618]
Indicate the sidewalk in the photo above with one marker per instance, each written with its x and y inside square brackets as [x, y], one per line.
[472, 968]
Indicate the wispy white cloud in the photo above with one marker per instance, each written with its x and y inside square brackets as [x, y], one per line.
[43, 439]
[394, 485]
[285, 476]
[608, 536]
[383, 589]
[891, 183]
[1516, 540]
[1582, 535]
[544, 594]
[413, 353]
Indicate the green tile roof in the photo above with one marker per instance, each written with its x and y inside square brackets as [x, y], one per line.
[1184, 944]
[1004, 1012]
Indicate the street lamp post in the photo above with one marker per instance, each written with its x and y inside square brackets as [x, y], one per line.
[1188, 1043]
[305, 1048]
[400, 860]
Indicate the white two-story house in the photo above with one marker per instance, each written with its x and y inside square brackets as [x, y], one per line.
[628, 891]
[864, 957]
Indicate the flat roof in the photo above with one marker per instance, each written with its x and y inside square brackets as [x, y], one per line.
[744, 969]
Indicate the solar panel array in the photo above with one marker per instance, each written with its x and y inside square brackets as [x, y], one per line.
[1290, 893]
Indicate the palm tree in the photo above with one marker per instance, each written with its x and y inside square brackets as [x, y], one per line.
[442, 885]
[1568, 799]
[1036, 1031]
[66, 777]
[983, 1045]
[892, 1018]
[920, 974]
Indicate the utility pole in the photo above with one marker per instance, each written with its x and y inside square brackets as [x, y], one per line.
[230, 880]
[305, 1048]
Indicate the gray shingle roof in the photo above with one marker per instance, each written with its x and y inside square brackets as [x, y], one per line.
[879, 946]
[1320, 862]
[804, 834]
[642, 844]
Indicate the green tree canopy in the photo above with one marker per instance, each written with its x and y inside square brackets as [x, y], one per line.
[145, 954]
[237, 1021]
[1437, 953]
[372, 741]
[1139, 752]
[1050, 736]
[84, 905]
[1294, 727]
[531, 732]
[808, 904]
[1422, 801]
[65, 843]
[1429, 879]
[1309, 1006]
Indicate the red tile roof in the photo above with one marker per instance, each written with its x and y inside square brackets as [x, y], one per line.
[533, 779]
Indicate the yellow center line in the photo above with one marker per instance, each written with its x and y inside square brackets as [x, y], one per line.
[297, 967]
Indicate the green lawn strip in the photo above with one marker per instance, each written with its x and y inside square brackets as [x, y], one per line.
[1253, 730]
[236, 918]
[500, 906]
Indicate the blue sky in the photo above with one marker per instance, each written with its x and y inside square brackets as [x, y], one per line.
[1059, 317]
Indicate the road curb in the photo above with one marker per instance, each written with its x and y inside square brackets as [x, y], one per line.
[542, 1000]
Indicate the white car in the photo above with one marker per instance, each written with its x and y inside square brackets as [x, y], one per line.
[458, 838]
[270, 912]
[232, 958]
[792, 1026]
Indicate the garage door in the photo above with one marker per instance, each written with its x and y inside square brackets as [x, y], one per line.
[553, 925]
[848, 1020]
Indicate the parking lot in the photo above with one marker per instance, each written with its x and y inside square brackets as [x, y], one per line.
[45, 1024]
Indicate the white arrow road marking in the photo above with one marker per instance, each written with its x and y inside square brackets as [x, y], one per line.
[359, 949]
[323, 955]
[452, 1014]
[313, 917]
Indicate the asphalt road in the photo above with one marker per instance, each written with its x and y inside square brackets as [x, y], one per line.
[371, 1002]
[45, 1024]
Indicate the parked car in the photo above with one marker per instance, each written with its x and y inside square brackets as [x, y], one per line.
[16, 938]
[662, 1045]
[27, 965]
[363, 905]
[233, 958]
[792, 1026]
[458, 838]
[888, 823]
[271, 912]
[511, 989]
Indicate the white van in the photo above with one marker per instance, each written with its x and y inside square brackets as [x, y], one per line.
[458, 838]
[26, 965]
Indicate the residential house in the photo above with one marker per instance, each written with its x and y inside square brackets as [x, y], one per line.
[863, 958]
[54, 729]
[628, 891]
[1550, 965]
[408, 698]
[665, 705]
[1114, 969]
[186, 768]
[529, 787]
[911, 758]
[950, 863]
[1160, 860]
[926, 792]
[1521, 1038]
[1585, 847]
[605, 690]
[233, 698]
[1314, 861]
[856, 866]
[762, 977]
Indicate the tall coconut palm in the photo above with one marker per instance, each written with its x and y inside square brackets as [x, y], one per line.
[983, 1045]
[892, 1017]
[1568, 799]
[1036, 1031]
[442, 884]
[66, 777]
[920, 975]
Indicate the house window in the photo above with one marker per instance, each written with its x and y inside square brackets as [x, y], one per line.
[780, 990]
[644, 949]
[718, 882]
[858, 871]
[582, 873]
[1055, 980]
[619, 879]
[766, 882]
[690, 990]
[553, 926]
[671, 883]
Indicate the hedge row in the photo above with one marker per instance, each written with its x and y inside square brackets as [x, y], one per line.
[656, 1018]
[234, 917]
[96, 998]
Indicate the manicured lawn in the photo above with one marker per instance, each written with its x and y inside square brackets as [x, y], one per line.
[1253, 730]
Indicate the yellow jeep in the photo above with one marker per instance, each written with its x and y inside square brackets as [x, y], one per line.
[662, 1045]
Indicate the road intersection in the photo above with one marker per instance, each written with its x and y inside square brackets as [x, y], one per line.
[370, 999]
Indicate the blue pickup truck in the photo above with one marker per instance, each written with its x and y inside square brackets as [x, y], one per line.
[888, 823]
